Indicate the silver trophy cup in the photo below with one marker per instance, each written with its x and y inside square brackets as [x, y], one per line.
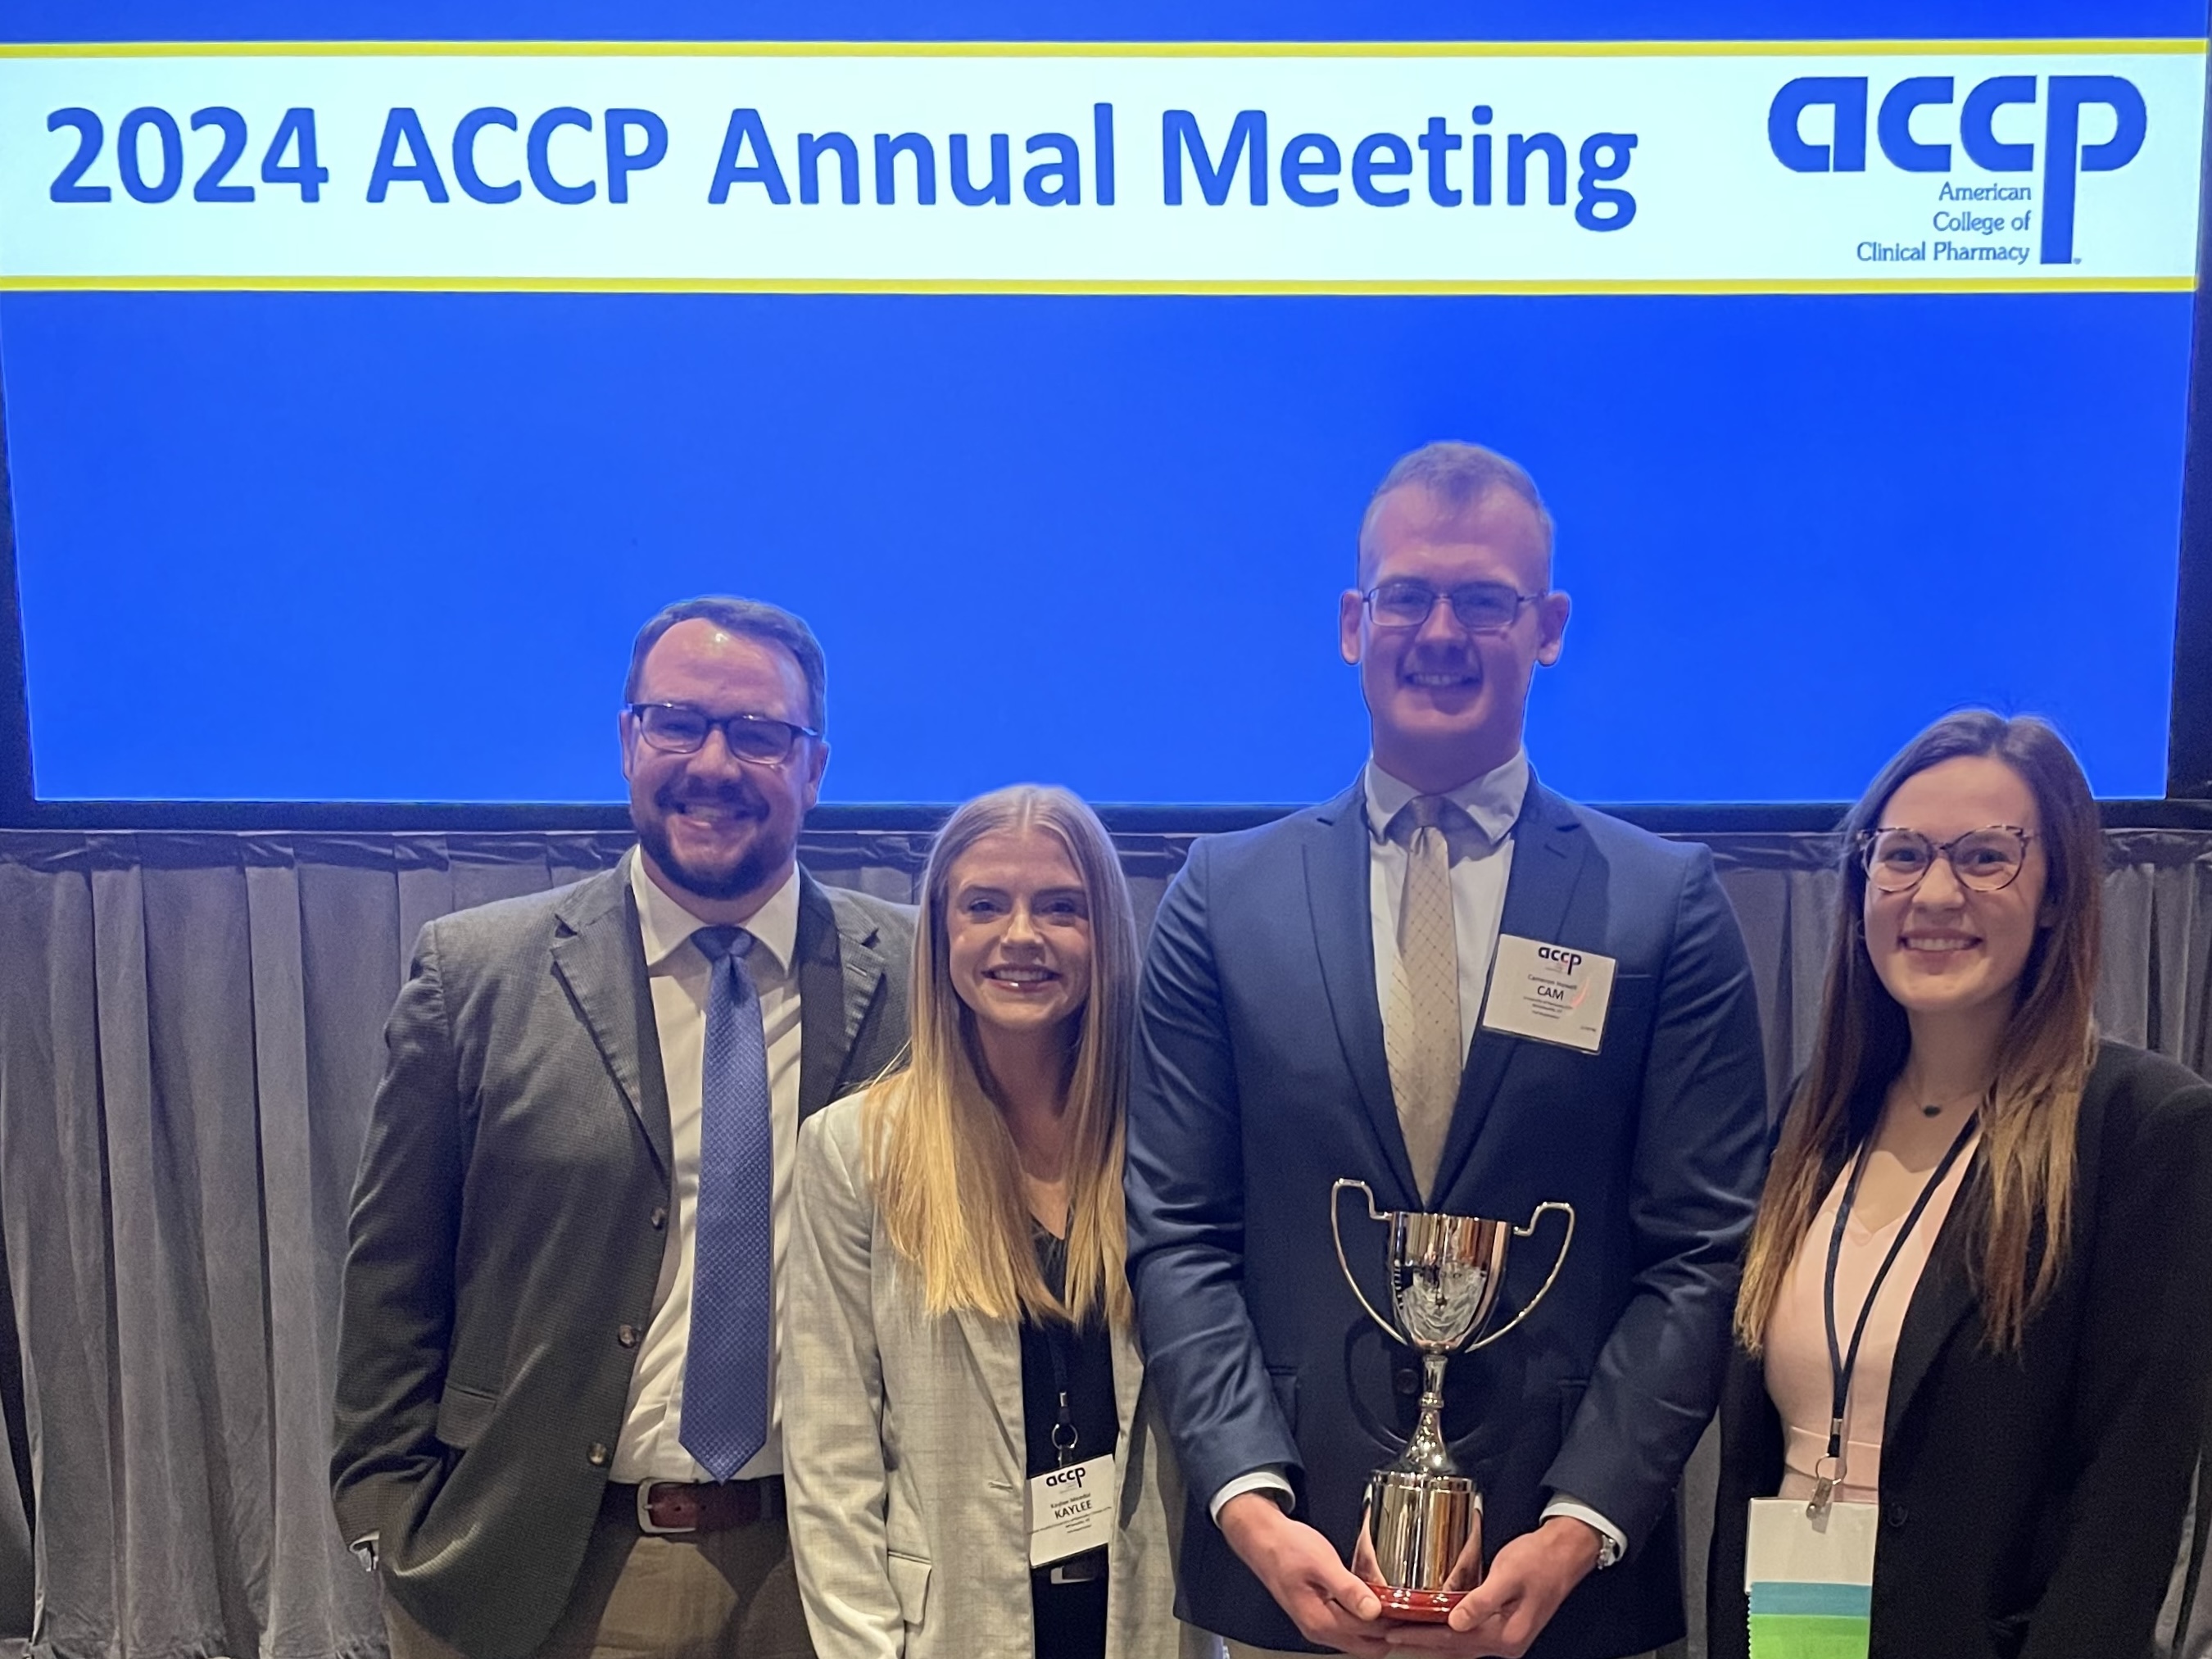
[1420, 1535]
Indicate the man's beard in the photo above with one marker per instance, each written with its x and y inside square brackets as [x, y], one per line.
[755, 865]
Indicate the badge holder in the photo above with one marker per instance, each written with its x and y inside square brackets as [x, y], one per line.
[1808, 1571]
[1071, 1505]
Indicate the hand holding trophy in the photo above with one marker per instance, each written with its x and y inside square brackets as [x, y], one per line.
[1423, 1517]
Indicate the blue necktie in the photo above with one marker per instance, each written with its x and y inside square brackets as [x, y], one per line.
[726, 1364]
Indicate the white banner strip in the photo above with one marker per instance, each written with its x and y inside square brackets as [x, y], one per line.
[1407, 168]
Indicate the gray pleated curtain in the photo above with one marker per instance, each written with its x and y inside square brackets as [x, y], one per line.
[190, 1036]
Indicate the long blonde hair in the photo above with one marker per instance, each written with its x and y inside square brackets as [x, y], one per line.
[2022, 1219]
[940, 1157]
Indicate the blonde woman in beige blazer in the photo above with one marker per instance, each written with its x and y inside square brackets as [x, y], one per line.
[958, 1322]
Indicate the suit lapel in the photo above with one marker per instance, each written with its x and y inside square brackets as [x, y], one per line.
[1344, 931]
[1549, 848]
[1944, 1298]
[1940, 1302]
[598, 954]
[997, 1346]
[840, 974]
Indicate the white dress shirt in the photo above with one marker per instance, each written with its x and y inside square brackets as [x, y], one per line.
[1481, 850]
[650, 1447]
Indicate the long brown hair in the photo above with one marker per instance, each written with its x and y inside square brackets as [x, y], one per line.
[940, 1157]
[2022, 1216]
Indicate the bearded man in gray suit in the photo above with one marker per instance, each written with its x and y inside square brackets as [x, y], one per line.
[557, 1427]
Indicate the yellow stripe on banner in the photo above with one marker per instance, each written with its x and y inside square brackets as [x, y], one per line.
[2184, 46]
[1232, 288]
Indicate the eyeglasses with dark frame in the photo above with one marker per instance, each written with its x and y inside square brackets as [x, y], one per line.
[1481, 607]
[1987, 860]
[678, 728]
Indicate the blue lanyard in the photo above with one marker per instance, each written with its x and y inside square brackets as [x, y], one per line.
[1842, 1362]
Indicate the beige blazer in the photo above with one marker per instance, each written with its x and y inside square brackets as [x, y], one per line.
[903, 1451]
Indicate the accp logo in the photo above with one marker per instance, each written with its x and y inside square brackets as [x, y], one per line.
[2064, 98]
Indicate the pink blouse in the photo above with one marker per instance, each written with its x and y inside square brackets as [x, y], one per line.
[1797, 1374]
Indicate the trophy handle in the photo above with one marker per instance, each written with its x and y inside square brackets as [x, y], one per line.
[1544, 1290]
[1336, 1231]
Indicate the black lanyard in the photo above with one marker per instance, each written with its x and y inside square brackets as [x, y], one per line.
[1058, 1335]
[1842, 1362]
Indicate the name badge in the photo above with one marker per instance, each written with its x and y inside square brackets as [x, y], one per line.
[1071, 1510]
[1553, 993]
[1810, 1577]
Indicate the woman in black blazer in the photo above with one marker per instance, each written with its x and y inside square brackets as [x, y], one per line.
[2030, 1446]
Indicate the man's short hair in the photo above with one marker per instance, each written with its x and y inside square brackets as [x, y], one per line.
[1458, 474]
[754, 617]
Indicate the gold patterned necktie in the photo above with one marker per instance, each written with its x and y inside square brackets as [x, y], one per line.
[1420, 1027]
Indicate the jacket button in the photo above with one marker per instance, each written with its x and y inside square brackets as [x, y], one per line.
[660, 1217]
[1406, 1380]
[1897, 1515]
[596, 1457]
[626, 1336]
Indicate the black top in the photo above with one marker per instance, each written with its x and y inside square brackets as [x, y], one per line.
[2031, 1502]
[1071, 1612]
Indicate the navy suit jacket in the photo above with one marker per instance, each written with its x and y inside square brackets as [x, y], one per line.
[1261, 1079]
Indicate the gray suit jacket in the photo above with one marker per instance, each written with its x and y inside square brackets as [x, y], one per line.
[904, 1450]
[509, 1220]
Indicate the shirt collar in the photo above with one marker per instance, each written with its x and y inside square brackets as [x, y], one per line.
[665, 925]
[1493, 800]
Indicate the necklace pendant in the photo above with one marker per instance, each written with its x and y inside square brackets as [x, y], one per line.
[1932, 1111]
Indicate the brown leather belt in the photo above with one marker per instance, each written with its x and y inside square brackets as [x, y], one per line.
[675, 1508]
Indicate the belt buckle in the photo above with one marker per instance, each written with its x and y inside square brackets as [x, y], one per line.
[646, 1523]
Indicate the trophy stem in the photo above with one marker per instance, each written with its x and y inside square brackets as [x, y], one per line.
[1425, 1451]
[1432, 1388]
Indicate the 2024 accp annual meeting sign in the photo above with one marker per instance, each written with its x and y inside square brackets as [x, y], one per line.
[1162, 168]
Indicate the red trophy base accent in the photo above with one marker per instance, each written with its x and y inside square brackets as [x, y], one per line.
[1416, 1607]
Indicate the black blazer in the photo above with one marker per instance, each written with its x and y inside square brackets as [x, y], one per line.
[507, 1225]
[2031, 1502]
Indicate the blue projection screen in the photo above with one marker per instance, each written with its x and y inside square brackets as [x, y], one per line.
[361, 401]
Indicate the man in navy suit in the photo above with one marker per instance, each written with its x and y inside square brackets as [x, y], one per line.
[1349, 993]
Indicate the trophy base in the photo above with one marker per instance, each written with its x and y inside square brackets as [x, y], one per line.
[1415, 1607]
[1419, 1547]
